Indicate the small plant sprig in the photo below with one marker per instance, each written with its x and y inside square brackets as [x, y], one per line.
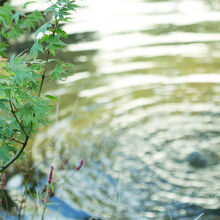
[80, 165]
[48, 191]
[23, 107]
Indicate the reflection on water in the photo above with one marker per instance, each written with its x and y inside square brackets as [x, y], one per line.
[142, 108]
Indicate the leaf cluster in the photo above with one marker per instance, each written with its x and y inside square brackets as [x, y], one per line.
[23, 107]
[14, 23]
[52, 33]
[20, 109]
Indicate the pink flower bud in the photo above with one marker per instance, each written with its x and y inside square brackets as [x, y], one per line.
[43, 200]
[51, 175]
[80, 165]
[3, 181]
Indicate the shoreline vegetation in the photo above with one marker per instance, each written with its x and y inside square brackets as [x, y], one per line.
[24, 107]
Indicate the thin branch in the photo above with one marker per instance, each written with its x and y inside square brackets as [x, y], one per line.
[15, 156]
[44, 74]
[45, 202]
[11, 138]
[47, 58]
[20, 124]
[14, 107]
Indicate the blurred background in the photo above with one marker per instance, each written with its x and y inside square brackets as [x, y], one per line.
[142, 108]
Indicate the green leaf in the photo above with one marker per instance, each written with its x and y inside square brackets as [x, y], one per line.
[58, 71]
[27, 110]
[52, 8]
[6, 12]
[42, 29]
[3, 47]
[61, 70]
[36, 48]
[52, 187]
[37, 195]
[54, 43]
[32, 20]
[17, 15]
[61, 32]
[18, 66]
[28, 3]
[61, 9]
[51, 97]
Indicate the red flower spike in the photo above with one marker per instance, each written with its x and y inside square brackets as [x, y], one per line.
[51, 175]
[80, 165]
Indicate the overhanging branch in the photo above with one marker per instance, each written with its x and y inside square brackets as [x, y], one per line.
[5, 166]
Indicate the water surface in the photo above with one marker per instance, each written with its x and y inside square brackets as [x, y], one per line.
[141, 108]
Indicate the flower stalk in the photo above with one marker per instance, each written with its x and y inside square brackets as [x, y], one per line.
[48, 190]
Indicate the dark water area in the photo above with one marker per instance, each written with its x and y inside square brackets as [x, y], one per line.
[142, 108]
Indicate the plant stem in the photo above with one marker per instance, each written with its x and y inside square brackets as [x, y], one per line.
[45, 203]
[20, 209]
[35, 212]
[5, 198]
[44, 74]
[47, 58]
[20, 124]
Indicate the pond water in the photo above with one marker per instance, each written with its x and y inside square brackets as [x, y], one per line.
[142, 108]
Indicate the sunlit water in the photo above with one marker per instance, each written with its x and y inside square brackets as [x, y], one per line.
[142, 109]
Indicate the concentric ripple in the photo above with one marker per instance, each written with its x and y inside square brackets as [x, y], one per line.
[142, 109]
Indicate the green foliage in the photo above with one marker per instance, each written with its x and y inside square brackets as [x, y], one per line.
[42, 29]
[61, 9]
[36, 48]
[13, 24]
[23, 107]
[3, 47]
[61, 70]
